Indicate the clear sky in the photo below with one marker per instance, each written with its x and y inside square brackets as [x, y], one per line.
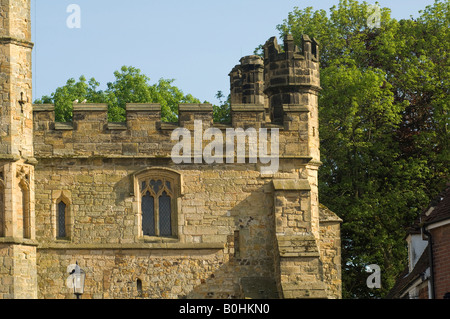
[195, 42]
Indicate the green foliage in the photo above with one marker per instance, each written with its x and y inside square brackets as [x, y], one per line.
[384, 127]
[130, 86]
[222, 112]
[64, 96]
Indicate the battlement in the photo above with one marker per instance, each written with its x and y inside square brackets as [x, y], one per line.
[278, 92]
[282, 77]
[290, 70]
[247, 81]
[274, 53]
[144, 134]
[290, 76]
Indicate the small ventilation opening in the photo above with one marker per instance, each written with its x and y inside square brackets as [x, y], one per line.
[139, 286]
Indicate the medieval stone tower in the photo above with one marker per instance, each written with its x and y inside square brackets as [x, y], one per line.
[17, 232]
[141, 224]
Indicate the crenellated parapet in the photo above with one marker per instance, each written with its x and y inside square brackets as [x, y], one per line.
[247, 81]
[279, 91]
[290, 74]
[144, 134]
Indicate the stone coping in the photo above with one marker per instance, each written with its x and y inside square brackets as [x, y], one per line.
[63, 126]
[195, 107]
[43, 107]
[292, 184]
[15, 158]
[18, 241]
[305, 158]
[16, 41]
[135, 246]
[117, 126]
[248, 108]
[142, 107]
[9, 157]
[90, 107]
[295, 108]
[169, 126]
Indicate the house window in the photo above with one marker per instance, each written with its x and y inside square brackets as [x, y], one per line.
[157, 191]
[61, 220]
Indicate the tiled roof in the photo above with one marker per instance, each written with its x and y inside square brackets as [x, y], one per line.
[438, 210]
[441, 210]
[406, 279]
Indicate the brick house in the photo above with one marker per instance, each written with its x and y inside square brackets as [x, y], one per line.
[427, 275]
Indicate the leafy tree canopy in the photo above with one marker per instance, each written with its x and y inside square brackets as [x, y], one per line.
[130, 86]
[384, 114]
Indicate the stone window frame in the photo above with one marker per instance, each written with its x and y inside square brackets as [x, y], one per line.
[24, 187]
[177, 191]
[65, 197]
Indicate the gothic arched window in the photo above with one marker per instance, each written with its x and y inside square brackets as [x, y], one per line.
[61, 220]
[158, 190]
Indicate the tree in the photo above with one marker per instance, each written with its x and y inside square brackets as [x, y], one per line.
[130, 86]
[384, 127]
[64, 96]
[222, 112]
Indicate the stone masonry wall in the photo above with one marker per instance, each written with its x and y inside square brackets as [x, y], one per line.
[17, 271]
[205, 260]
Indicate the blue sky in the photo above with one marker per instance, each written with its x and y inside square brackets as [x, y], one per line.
[195, 42]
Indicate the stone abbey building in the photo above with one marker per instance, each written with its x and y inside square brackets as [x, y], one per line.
[110, 196]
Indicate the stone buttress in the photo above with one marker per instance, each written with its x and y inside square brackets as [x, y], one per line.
[18, 277]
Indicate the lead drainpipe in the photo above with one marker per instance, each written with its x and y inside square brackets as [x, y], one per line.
[430, 254]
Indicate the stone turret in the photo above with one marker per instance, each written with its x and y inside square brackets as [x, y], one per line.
[290, 74]
[247, 81]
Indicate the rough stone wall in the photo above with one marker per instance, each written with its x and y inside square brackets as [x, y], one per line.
[225, 218]
[143, 135]
[18, 275]
[6, 272]
[17, 246]
[15, 19]
[237, 230]
[330, 251]
[16, 121]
